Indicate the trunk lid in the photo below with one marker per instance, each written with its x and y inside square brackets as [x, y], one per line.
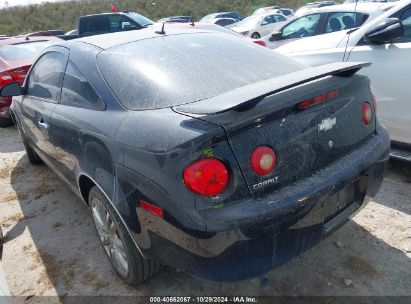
[304, 140]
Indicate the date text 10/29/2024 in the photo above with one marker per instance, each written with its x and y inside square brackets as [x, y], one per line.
[203, 299]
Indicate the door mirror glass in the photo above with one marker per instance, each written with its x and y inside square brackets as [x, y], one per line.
[385, 31]
[11, 89]
[276, 36]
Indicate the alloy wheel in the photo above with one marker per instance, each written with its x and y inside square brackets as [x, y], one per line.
[109, 237]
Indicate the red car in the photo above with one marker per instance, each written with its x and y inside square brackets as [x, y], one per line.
[16, 57]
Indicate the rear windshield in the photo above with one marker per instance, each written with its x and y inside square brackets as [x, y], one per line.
[23, 50]
[143, 21]
[174, 70]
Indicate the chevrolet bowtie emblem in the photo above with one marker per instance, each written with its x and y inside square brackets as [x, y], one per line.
[327, 124]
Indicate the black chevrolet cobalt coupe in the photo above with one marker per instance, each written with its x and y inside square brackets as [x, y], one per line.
[200, 150]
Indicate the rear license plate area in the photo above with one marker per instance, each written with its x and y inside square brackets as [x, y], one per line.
[338, 202]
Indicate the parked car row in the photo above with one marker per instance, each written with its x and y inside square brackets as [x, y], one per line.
[325, 20]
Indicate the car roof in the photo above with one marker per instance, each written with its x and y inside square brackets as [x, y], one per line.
[215, 14]
[16, 40]
[351, 7]
[268, 7]
[271, 12]
[105, 14]
[106, 41]
[268, 13]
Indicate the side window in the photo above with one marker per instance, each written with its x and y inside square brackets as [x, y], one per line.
[344, 21]
[302, 27]
[268, 20]
[224, 22]
[279, 18]
[118, 23]
[78, 92]
[406, 22]
[232, 15]
[46, 76]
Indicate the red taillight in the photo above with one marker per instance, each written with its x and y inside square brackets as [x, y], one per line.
[207, 176]
[12, 75]
[316, 100]
[366, 113]
[5, 78]
[19, 74]
[260, 42]
[263, 160]
[374, 103]
[157, 211]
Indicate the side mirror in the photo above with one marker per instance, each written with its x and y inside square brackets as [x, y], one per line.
[11, 89]
[276, 36]
[385, 31]
[264, 22]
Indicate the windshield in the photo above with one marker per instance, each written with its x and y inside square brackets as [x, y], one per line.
[207, 18]
[251, 21]
[23, 50]
[174, 70]
[143, 21]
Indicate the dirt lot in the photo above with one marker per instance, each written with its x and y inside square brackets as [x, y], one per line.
[52, 248]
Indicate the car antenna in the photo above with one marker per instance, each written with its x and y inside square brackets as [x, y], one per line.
[162, 32]
[27, 38]
[345, 57]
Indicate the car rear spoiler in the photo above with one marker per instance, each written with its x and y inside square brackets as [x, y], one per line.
[248, 94]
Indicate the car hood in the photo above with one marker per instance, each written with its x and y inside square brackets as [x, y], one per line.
[241, 29]
[320, 42]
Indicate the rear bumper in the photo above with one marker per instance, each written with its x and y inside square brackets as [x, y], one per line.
[253, 237]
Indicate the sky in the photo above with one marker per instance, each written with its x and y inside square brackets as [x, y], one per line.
[22, 2]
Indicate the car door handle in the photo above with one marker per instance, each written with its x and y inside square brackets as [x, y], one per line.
[43, 124]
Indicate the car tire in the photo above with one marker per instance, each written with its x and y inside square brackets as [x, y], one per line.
[256, 36]
[111, 233]
[5, 122]
[33, 157]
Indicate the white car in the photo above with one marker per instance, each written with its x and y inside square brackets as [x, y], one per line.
[232, 15]
[288, 12]
[265, 9]
[324, 21]
[313, 5]
[257, 26]
[380, 42]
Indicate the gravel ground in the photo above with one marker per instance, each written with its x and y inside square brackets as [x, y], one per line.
[52, 249]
